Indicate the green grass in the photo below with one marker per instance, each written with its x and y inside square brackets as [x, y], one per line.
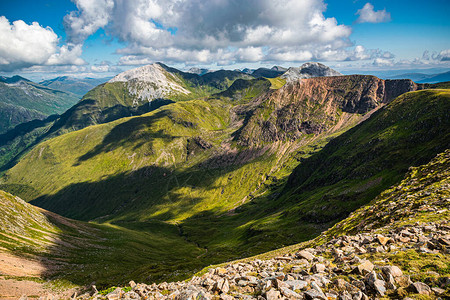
[181, 179]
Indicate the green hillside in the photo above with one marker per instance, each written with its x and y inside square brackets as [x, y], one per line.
[22, 100]
[77, 86]
[172, 166]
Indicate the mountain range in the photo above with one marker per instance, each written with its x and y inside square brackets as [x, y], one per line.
[77, 86]
[424, 78]
[158, 173]
[22, 100]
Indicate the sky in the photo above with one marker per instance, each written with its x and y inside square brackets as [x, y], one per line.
[42, 39]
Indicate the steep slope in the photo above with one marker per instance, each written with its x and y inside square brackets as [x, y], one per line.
[126, 95]
[312, 106]
[77, 86]
[46, 253]
[396, 247]
[22, 100]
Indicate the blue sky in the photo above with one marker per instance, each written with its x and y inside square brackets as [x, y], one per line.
[103, 37]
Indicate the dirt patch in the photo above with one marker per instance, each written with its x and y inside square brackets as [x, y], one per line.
[12, 265]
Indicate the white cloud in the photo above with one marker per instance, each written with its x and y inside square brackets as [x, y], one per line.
[427, 60]
[91, 15]
[367, 14]
[23, 45]
[223, 32]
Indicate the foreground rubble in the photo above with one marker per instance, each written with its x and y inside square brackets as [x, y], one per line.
[342, 268]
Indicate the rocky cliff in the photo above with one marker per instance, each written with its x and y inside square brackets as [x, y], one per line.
[310, 106]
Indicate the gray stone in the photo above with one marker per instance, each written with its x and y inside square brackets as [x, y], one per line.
[365, 267]
[304, 254]
[296, 284]
[392, 270]
[421, 288]
[290, 293]
[273, 294]
[318, 268]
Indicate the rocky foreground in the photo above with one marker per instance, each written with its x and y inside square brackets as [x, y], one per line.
[348, 267]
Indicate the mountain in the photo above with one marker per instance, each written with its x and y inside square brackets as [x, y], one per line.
[225, 166]
[443, 77]
[77, 86]
[308, 70]
[413, 76]
[279, 68]
[198, 71]
[22, 100]
[424, 78]
[268, 73]
[133, 92]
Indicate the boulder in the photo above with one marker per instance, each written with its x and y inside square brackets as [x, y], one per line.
[305, 255]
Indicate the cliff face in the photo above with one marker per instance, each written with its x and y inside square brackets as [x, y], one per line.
[310, 106]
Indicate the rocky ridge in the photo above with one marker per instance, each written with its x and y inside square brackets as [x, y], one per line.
[315, 105]
[309, 70]
[407, 257]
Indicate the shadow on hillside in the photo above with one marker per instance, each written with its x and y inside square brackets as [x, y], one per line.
[132, 131]
[146, 187]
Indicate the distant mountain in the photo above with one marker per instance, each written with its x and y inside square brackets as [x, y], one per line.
[268, 73]
[247, 71]
[77, 86]
[22, 100]
[308, 70]
[443, 77]
[424, 78]
[279, 68]
[416, 77]
[198, 71]
[13, 79]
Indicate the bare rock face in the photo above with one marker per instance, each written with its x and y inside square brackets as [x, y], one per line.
[314, 105]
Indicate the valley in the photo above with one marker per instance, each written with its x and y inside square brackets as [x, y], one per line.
[159, 173]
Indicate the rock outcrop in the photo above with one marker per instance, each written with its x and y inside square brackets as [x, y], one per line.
[313, 105]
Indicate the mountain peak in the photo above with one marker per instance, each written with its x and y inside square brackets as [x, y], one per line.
[151, 82]
[14, 79]
[308, 70]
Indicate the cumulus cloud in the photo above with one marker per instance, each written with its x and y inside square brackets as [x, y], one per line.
[211, 31]
[427, 60]
[367, 14]
[91, 15]
[23, 45]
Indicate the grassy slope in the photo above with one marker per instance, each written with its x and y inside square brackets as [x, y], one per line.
[421, 197]
[74, 252]
[30, 101]
[167, 166]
